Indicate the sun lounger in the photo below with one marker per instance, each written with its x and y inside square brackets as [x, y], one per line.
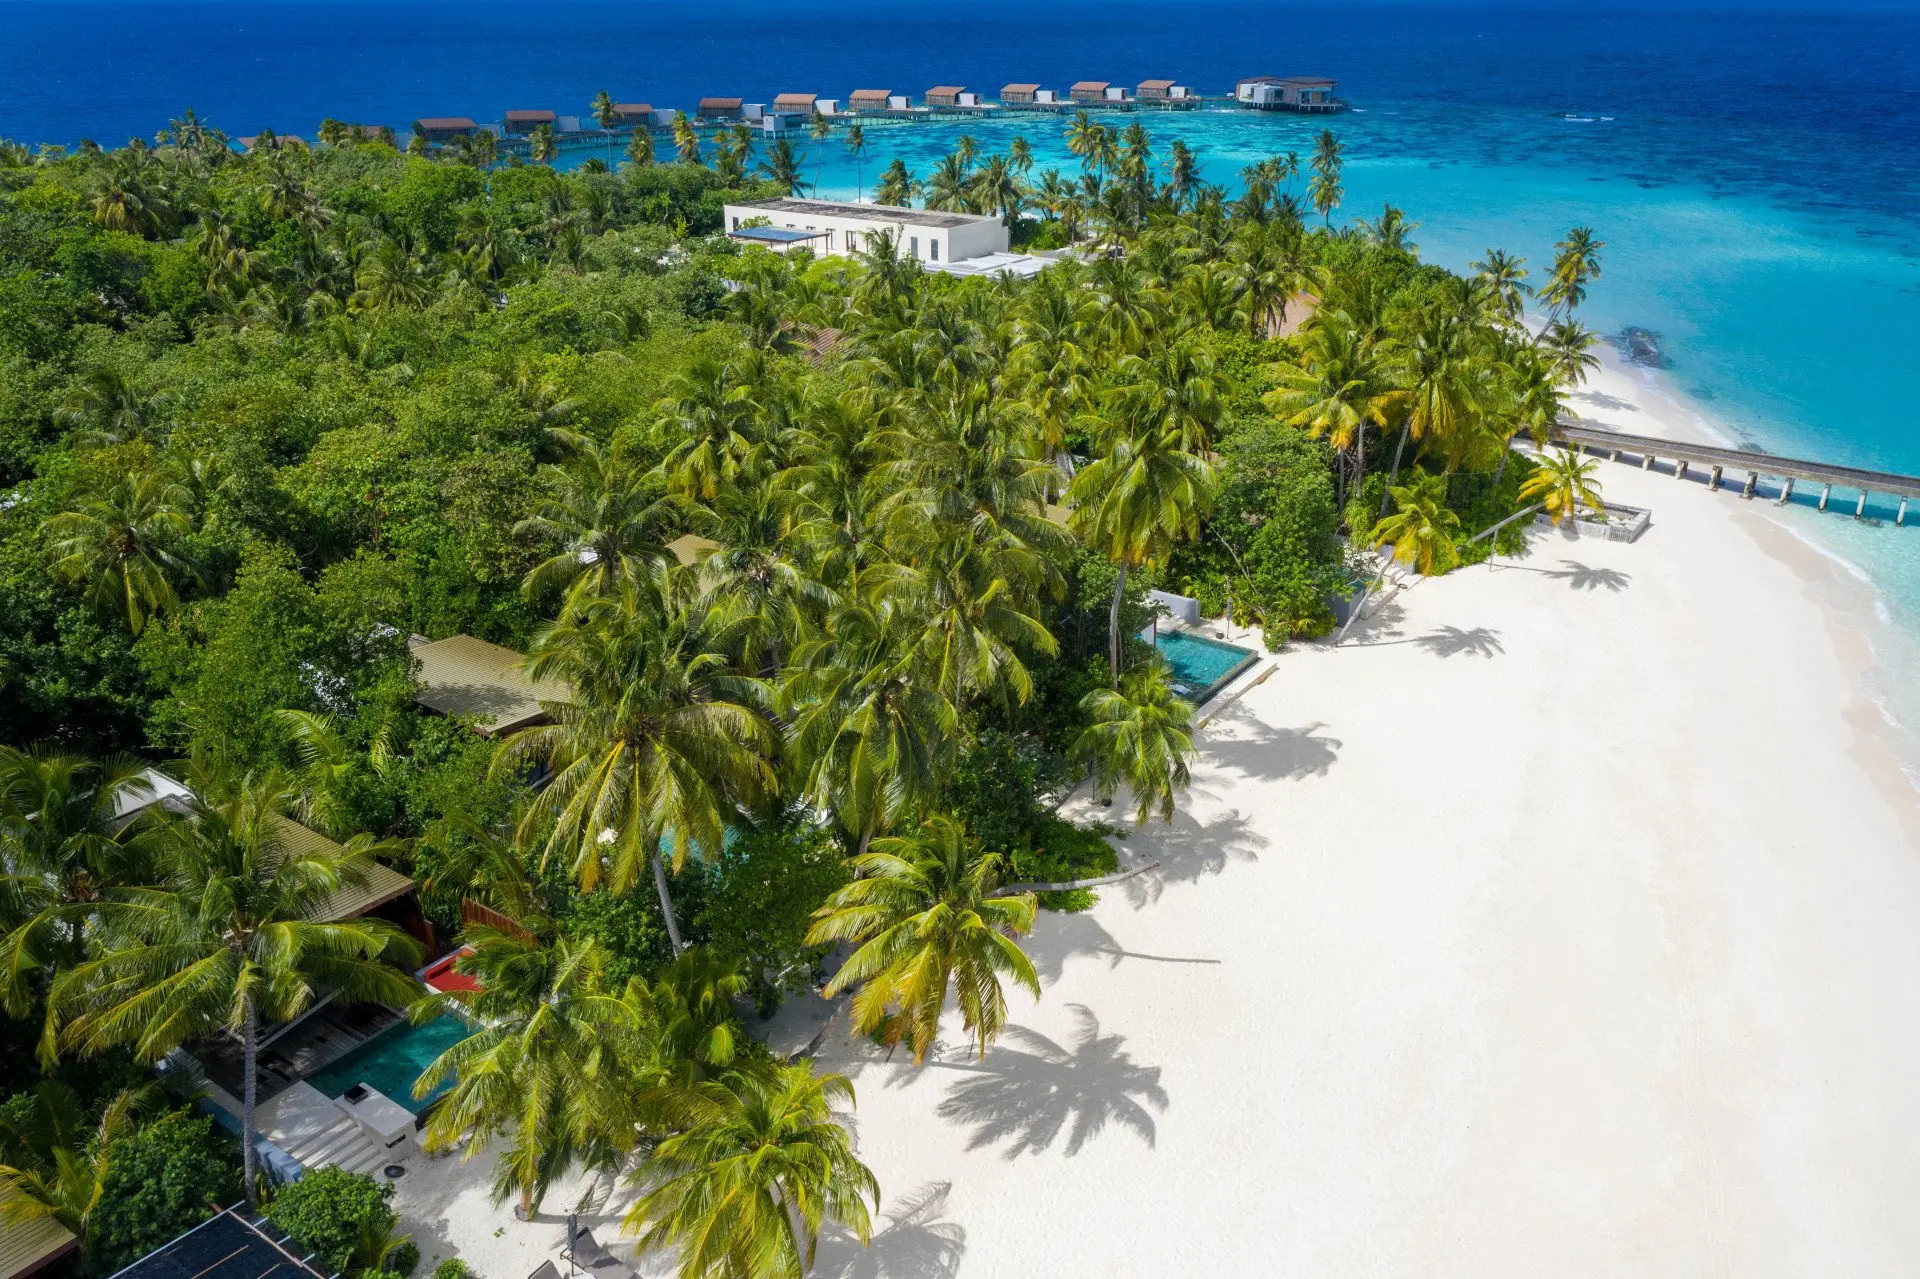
[589, 1257]
[547, 1270]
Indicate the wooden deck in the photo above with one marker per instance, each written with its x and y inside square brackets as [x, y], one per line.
[306, 1047]
[1787, 470]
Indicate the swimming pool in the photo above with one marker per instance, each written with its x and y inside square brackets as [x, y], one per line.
[393, 1059]
[1201, 666]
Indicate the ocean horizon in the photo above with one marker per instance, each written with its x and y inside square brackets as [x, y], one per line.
[1754, 169]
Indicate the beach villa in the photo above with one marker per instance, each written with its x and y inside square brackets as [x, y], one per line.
[959, 243]
[525, 121]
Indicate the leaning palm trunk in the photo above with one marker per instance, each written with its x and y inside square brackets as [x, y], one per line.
[249, 1093]
[666, 904]
[1394, 473]
[1113, 624]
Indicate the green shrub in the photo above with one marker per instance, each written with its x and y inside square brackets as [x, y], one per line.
[327, 1210]
[404, 1258]
[453, 1268]
[163, 1180]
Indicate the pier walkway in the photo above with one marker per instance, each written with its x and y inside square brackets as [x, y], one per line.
[1786, 469]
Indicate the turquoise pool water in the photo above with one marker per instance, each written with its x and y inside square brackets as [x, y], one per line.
[1200, 665]
[393, 1059]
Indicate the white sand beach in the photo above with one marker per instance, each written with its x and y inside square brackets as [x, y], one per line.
[1564, 921]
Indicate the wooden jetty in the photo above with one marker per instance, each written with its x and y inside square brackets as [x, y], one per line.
[1785, 469]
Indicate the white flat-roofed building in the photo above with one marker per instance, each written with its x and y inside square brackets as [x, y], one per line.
[841, 227]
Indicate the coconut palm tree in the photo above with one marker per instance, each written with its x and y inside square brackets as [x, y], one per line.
[1563, 484]
[1020, 155]
[105, 408]
[708, 420]
[857, 148]
[948, 188]
[61, 851]
[897, 186]
[925, 916]
[1506, 277]
[541, 145]
[656, 747]
[116, 542]
[1576, 263]
[689, 1010]
[1390, 230]
[1145, 490]
[603, 514]
[819, 129]
[606, 117]
[55, 1156]
[1325, 190]
[1139, 734]
[1421, 529]
[640, 146]
[1439, 379]
[550, 1072]
[230, 936]
[1568, 345]
[686, 139]
[758, 1165]
[782, 164]
[1339, 387]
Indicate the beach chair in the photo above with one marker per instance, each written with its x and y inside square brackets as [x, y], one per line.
[590, 1258]
[547, 1270]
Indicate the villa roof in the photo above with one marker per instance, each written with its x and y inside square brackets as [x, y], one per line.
[870, 95]
[1020, 88]
[946, 88]
[1304, 80]
[1088, 85]
[468, 676]
[729, 104]
[28, 1245]
[533, 117]
[633, 108]
[348, 901]
[1158, 84]
[692, 548]
[883, 213]
[795, 99]
[225, 1246]
[445, 122]
[1258, 79]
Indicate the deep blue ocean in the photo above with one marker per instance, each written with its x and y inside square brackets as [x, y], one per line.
[1755, 171]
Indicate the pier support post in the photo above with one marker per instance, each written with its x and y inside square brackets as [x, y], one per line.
[1753, 482]
[1680, 470]
[1900, 520]
[1786, 492]
[1614, 456]
[1646, 462]
[1826, 491]
[1713, 481]
[1861, 509]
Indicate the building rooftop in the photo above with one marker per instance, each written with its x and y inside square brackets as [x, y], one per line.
[719, 103]
[1158, 84]
[468, 676]
[1258, 79]
[26, 1246]
[1079, 85]
[867, 212]
[1020, 88]
[1023, 265]
[445, 122]
[230, 1245]
[348, 901]
[1304, 81]
[783, 236]
[633, 108]
[870, 95]
[537, 117]
[795, 99]
[946, 88]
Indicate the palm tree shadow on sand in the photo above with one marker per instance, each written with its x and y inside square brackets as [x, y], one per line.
[914, 1240]
[1032, 1093]
[1581, 577]
[1453, 641]
[1254, 749]
[1187, 850]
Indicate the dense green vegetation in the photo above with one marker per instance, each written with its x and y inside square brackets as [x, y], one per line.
[263, 417]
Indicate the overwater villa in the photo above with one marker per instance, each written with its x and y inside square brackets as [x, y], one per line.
[632, 115]
[719, 109]
[803, 103]
[869, 99]
[951, 95]
[1025, 95]
[1163, 91]
[526, 121]
[444, 128]
[1286, 93]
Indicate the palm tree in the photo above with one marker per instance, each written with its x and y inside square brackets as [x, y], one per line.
[1020, 155]
[1084, 137]
[106, 408]
[782, 164]
[1438, 377]
[542, 1075]
[657, 745]
[925, 915]
[606, 117]
[1568, 345]
[948, 188]
[1563, 484]
[61, 853]
[603, 515]
[541, 146]
[819, 129]
[116, 543]
[55, 1157]
[686, 139]
[1132, 502]
[1506, 276]
[1138, 734]
[897, 186]
[709, 418]
[1421, 527]
[760, 1163]
[1390, 230]
[231, 935]
[1576, 262]
[689, 1011]
[1325, 190]
[1338, 388]
[857, 148]
[640, 146]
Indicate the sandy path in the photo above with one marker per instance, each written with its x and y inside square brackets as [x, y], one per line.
[1552, 926]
